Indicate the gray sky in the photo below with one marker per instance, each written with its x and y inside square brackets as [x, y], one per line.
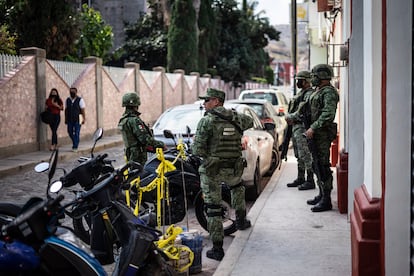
[276, 10]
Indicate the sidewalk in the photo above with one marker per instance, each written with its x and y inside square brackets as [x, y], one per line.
[17, 163]
[286, 238]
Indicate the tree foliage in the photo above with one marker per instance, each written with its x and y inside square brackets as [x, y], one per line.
[242, 35]
[146, 40]
[208, 43]
[221, 39]
[95, 38]
[7, 41]
[182, 38]
[47, 24]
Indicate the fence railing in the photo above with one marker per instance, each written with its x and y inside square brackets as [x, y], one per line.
[69, 71]
[8, 63]
[117, 73]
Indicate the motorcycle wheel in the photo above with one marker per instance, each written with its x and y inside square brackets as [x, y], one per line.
[82, 228]
[229, 216]
[8, 211]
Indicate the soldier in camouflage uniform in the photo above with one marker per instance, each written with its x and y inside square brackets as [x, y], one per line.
[322, 131]
[300, 145]
[218, 143]
[136, 135]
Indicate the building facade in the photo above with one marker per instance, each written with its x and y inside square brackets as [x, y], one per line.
[374, 74]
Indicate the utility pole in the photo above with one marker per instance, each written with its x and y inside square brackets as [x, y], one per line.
[294, 35]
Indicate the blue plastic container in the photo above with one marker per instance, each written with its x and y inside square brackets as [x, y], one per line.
[194, 241]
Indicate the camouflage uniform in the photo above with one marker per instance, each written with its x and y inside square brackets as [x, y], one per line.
[136, 135]
[323, 103]
[300, 145]
[322, 108]
[218, 143]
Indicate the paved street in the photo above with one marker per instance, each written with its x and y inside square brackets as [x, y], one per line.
[20, 187]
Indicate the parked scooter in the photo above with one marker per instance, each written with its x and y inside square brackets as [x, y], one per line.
[135, 241]
[34, 243]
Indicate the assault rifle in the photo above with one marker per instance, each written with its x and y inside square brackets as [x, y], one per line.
[283, 148]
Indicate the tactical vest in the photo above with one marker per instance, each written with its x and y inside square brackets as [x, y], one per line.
[226, 139]
[316, 101]
[127, 133]
[300, 97]
[72, 110]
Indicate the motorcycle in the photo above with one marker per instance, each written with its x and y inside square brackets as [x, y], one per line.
[35, 242]
[183, 186]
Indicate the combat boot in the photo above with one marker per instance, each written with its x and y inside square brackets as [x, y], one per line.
[309, 184]
[316, 199]
[324, 204]
[296, 182]
[217, 252]
[241, 222]
[299, 180]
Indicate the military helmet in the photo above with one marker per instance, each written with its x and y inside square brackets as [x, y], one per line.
[130, 99]
[323, 71]
[303, 75]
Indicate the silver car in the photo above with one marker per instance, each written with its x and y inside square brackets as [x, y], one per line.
[275, 97]
[262, 158]
[267, 114]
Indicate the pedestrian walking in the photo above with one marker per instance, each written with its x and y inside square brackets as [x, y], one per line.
[54, 104]
[75, 106]
[218, 143]
[300, 145]
[321, 132]
[137, 136]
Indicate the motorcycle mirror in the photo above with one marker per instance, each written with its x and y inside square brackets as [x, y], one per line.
[188, 131]
[168, 134]
[42, 167]
[96, 136]
[55, 187]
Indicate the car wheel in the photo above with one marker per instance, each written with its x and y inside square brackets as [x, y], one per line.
[274, 163]
[228, 216]
[253, 192]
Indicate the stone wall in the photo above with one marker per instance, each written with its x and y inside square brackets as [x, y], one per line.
[24, 90]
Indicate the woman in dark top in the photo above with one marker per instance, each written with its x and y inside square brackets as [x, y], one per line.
[55, 105]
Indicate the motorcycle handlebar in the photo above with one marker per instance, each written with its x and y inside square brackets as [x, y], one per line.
[108, 180]
[43, 205]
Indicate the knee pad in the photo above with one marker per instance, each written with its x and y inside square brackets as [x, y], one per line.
[213, 210]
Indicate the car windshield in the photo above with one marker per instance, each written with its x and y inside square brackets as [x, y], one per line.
[258, 108]
[177, 120]
[270, 97]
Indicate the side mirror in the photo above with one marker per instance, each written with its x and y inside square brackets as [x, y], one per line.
[96, 136]
[168, 134]
[42, 167]
[55, 187]
[269, 126]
